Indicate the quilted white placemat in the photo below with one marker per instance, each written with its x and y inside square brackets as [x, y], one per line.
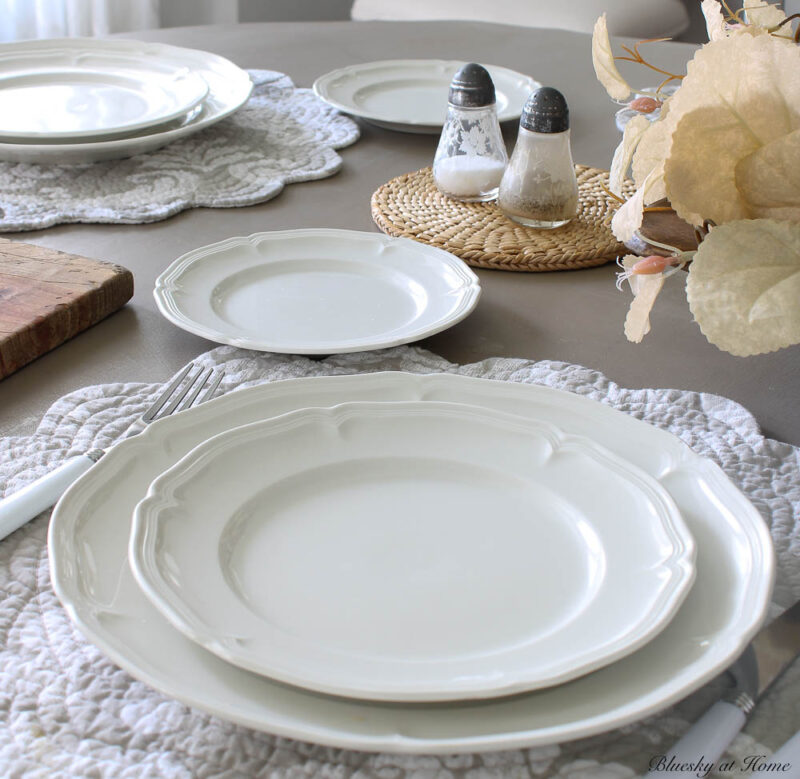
[67, 711]
[281, 136]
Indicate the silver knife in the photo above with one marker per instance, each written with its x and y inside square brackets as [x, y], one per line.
[770, 653]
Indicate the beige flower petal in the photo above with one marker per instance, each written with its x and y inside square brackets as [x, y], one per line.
[628, 217]
[634, 130]
[645, 290]
[744, 286]
[769, 179]
[604, 65]
[715, 21]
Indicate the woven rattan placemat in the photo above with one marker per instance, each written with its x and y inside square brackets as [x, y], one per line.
[410, 206]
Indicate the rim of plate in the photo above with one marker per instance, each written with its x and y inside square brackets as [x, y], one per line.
[340, 723]
[286, 664]
[168, 283]
[321, 88]
[192, 82]
[217, 104]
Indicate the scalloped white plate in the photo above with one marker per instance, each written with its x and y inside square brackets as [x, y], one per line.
[229, 87]
[411, 95]
[411, 551]
[316, 291]
[88, 545]
[66, 93]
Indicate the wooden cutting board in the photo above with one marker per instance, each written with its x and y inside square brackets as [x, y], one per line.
[47, 297]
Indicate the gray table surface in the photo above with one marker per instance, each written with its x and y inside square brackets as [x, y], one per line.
[571, 316]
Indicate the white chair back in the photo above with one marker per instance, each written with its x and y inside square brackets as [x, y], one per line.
[635, 18]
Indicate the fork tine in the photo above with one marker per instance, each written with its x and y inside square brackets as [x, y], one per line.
[180, 394]
[198, 385]
[212, 388]
[151, 412]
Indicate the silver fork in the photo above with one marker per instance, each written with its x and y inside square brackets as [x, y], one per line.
[182, 393]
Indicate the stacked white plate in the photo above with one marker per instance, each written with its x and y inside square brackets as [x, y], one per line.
[78, 100]
[411, 551]
[380, 561]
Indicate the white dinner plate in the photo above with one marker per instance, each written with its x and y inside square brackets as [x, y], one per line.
[88, 545]
[228, 89]
[411, 551]
[316, 291]
[63, 93]
[411, 95]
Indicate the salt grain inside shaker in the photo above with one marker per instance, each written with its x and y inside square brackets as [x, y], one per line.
[471, 156]
[539, 187]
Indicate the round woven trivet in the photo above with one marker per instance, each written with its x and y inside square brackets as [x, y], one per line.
[411, 206]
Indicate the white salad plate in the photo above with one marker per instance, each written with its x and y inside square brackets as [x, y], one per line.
[67, 94]
[228, 88]
[411, 95]
[88, 548]
[411, 551]
[316, 291]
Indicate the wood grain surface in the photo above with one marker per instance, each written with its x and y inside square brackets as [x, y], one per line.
[47, 297]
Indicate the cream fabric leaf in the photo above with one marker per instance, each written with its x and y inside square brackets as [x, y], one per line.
[769, 179]
[634, 130]
[651, 152]
[604, 66]
[744, 286]
[766, 15]
[700, 170]
[715, 22]
[741, 94]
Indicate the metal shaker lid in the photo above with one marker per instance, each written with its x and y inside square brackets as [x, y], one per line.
[472, 87]
[545, 111]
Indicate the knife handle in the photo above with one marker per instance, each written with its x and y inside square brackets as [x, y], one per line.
[705, 741]
[788, 756]
[22, 506]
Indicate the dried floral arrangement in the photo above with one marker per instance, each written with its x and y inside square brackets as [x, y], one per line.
[725, 154]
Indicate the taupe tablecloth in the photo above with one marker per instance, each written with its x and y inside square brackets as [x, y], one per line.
[572, 316]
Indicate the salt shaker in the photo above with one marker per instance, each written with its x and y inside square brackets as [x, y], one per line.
[539, 187]
[471, 156]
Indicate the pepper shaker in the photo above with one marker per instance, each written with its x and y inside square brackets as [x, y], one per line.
[539, 187]
[471, 155]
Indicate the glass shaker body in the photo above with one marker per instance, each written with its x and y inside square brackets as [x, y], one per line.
[539, 188]
[471, 155]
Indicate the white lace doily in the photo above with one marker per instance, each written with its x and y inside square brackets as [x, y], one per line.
[281, 136]
[67, 711]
